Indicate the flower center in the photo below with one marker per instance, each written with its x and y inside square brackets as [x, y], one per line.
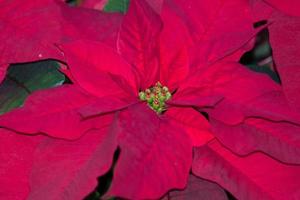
[156, 97]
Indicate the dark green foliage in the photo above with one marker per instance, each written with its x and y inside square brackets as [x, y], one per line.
[22, 79]
[116, 6]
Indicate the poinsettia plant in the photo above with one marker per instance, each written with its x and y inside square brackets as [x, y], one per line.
[156, 96]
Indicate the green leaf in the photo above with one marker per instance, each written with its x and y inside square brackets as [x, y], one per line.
[11, 95]
[22, 79]
[265, 70]
[262, 50]
[116, 6]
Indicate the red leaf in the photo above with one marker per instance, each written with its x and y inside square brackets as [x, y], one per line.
[173, 50]
[252, 177]
[228, 80]
[260, 10]
[285, 41]
[193, 122]
[291, 7]
[99, 70]
[243, 97]
[212, 22]
[156, 4]
[278, 139]
[69, 169]
[39, 26]
[103, 106]
[250, 95]
[53, 112]
[270, 105]
[80, 23]
[155, 155]
[138, 41]
[16, 155]
[34, 26]
[198, 188]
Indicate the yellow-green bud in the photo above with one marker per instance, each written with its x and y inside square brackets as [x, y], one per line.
[156, 97]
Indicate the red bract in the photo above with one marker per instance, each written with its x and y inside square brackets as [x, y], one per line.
[255, 176]
[284, 31]
[285, 42]
[198, 188]
[102, 110]
[31, 31]
[291, 7]
[16, 155]
[210, 23]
